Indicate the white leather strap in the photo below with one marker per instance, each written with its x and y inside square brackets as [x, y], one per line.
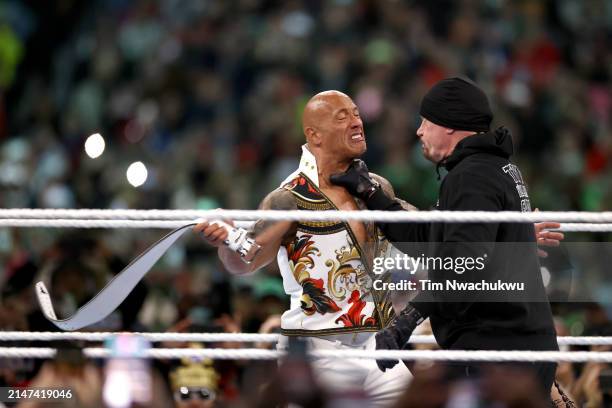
[115, 292]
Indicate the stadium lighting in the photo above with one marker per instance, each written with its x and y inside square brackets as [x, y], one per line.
[137, 174]
[94, 145]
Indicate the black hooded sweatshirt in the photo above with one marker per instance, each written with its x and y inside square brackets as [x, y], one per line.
[480, 177]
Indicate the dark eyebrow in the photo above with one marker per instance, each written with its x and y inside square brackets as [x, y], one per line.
[342, 110]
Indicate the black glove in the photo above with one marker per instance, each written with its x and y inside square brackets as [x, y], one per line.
[356, 179]
[396, 335]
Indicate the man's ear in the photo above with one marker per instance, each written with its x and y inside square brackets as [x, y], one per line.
[313, 137]
[450, 131]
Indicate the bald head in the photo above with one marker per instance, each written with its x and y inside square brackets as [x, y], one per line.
[321, 106]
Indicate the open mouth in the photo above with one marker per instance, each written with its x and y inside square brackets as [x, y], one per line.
[357, 137]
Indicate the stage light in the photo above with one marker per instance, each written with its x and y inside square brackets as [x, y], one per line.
[137, 174]
[94, 145]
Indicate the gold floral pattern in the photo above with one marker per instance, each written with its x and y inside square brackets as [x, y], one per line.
[314, 299]
[343, 277]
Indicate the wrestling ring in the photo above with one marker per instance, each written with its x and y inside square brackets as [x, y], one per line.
[181, 221]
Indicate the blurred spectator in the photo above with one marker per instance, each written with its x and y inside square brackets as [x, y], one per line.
[294, 382]
[195, 384]
[593, 388]
[69, 370]
[506, 386]
[17, 295]
[271, 325]
[214, 96]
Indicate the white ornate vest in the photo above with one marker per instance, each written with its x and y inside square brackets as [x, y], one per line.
[325, 270]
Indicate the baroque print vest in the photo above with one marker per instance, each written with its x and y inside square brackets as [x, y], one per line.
[328, 274]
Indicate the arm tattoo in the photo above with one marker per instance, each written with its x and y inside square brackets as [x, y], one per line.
[388, 190]
[279, 199]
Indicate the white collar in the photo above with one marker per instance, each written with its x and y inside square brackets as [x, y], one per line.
[308, 165]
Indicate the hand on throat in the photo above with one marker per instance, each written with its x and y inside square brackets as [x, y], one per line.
[328, 167]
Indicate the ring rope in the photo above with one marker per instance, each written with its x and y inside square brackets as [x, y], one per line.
[299, 215]
[261, 354]
[153, 337]
[74, 223]
[590, 227]
[173, 224]
[238, 337]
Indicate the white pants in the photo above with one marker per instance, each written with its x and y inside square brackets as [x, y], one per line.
[343, 376]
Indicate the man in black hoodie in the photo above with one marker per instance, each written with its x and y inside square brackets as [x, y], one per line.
[455, 134]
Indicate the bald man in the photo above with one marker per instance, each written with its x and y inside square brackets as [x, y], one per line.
[326, 266]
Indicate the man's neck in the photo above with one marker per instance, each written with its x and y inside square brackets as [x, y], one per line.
[326, 166]
[459, 135]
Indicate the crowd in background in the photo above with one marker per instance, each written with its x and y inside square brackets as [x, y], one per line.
[208, 94]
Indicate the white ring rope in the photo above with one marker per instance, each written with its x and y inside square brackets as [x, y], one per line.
[74, 223]
[261, 354]
[77, 223]
[153, 337]
[590, 227]
[272, 215]
[237, 337]
[173, 224]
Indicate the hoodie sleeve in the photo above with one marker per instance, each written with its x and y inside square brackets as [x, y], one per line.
[465, 191]
[394, 231]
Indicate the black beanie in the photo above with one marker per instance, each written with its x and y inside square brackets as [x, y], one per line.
[459, 104]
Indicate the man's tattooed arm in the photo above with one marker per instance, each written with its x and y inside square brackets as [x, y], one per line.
[269, 235]
[279, 199]
[389, 192]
